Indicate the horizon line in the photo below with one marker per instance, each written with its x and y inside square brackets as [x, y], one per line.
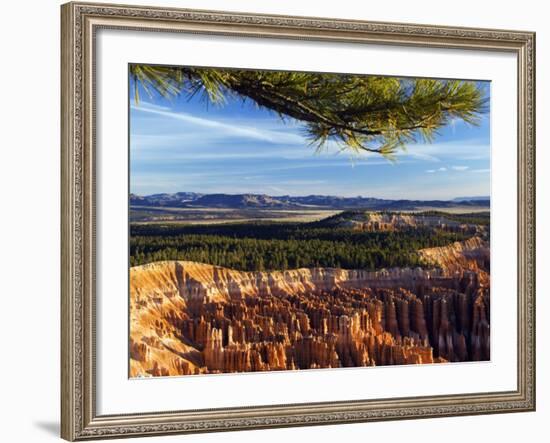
[466, 198]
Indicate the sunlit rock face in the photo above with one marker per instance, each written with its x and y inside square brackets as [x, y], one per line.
[192, 318]
[470, 255]
[379, 221]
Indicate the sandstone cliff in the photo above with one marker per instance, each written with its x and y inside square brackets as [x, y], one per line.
[376, 221]
[192, 318]
[472, 255]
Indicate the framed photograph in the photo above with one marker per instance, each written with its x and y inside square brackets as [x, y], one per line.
[277, 221]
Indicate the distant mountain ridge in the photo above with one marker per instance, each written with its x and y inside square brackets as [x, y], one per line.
[264, 201]
[461, 199]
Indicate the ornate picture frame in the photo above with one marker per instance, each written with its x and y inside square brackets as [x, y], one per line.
[80, 23]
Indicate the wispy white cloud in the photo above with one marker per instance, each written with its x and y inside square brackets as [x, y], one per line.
[233, 151]
[445, 169]
[334, 163]
[229, 129]
[471, 149]
[142, 105]
[481, 171]
[204, 138]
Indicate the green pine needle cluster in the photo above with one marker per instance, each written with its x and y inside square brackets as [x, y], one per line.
[360, 113]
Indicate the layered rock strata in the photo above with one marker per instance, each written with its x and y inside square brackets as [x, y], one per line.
[376, 222]
[472, 255]
[192, 318]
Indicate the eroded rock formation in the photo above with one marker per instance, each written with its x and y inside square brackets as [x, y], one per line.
[191, 318]
[378, 221]
[472, 255]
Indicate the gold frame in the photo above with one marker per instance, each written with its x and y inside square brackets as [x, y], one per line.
[79, 22]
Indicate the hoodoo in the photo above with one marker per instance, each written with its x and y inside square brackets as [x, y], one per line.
[193, 318]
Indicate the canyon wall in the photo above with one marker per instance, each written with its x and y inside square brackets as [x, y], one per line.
[193, 318]
[471, 255]
[377, 221]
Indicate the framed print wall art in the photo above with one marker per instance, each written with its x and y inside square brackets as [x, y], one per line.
[282, 221]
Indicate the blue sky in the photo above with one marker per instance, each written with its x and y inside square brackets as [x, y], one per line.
[189, 145]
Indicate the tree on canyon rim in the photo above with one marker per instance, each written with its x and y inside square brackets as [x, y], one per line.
[362, 113]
